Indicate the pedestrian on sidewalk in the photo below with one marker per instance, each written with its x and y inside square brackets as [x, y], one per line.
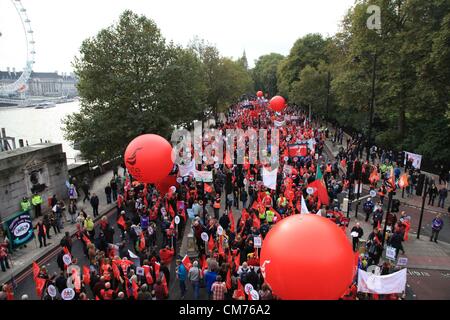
[432, 193]
[72, 209]
[436, 226]
[42, 231]
[73, 194]
[36, 200]
[377, 217]
[4, 256]
[85, 187]
[54, 223]
[94, 203]
[368, 208]
[357, 232]
[108, 192]
[443, 193]
[89, 227]
[48, 224]
[114, 187]
[25, 204]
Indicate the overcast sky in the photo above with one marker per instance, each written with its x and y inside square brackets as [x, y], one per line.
[258, 26]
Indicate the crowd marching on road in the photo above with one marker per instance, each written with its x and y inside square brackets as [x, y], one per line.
[228, 216]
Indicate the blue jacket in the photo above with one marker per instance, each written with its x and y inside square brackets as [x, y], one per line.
[182, 272]
[210, 278]
[437, 224]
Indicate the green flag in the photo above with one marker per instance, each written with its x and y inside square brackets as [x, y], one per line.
[318, 173]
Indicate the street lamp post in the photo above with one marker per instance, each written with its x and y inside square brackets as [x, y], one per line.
[372, 100]
[424, 196]
[372, 103]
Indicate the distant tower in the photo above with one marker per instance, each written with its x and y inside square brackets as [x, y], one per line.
[243, 60]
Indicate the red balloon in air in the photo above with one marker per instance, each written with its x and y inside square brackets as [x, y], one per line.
[307, 257]
[149, 158]
[259, 94]
[277, 103]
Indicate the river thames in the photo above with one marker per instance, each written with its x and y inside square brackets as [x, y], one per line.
[35, 124]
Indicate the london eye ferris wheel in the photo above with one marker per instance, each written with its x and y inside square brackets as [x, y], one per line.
[18, 85]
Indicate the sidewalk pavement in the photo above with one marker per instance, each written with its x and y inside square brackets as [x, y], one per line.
[421, 253]
[20, 259]
[412, 201]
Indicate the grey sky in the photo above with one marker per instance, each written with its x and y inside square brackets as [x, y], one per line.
[258, 26]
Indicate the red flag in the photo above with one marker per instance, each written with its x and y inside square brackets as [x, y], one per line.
[36, 270]
[142, 242]
[183, 215]
[231, 217]
[172, 213]
[86, 275]
[211, 243]
[187, 262]
[407, 227]
[166, 255]
[86, 240]
[66, 251]
[76, 280]
[256, 222]
[207, 188]
[220, 246]
[157, 267]
[403, 182]
[148, 275]
[237, 260]
[116, 271]
[135, 289]
[121, 222]
[40, 284]
[228, 279]
[276, 214]
[240, 290]
[320, 191]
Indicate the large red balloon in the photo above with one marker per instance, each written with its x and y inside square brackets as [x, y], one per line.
[149, 158]
[307, 257]
[259, 94]
[277, 103]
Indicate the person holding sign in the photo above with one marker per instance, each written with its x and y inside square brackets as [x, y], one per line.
[357, 232]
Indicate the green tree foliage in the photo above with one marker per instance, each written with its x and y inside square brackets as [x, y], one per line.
[412, 74]
[132, 82]
[264, 73]
[309, 50]
[226, 79]
[412, 58]
[311, 89]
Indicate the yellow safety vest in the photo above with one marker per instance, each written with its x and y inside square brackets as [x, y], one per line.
[270, 215]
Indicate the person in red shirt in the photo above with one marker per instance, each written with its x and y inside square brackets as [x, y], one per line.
[107, 293]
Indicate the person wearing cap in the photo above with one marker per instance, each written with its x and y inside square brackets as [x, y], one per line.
[368, 208]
